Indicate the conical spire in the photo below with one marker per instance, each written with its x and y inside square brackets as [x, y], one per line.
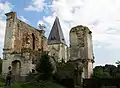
[56, 34]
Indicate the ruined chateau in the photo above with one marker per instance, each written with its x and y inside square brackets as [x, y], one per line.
[22, 41]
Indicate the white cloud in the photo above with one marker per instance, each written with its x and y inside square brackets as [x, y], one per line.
[4, 8]
[99, 15]
[49, 19]
[40, 22]
[23, 19]
[36, 5]
[2, 30]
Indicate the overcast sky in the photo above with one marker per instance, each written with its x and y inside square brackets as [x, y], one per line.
[101, 16]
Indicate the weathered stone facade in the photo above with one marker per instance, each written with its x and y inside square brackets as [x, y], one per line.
[56, 42]
[21, 41]
[81, 49]
[58, 51]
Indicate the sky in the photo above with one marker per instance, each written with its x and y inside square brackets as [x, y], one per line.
[101, 16]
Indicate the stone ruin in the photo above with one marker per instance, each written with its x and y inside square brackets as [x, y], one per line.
[22, 43]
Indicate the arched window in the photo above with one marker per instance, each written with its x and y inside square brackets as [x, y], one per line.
[33, 42]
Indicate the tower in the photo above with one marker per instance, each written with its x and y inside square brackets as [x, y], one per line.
[21, 44]
[81, 49]
[9, 40]
[56, 42]
[10, 32]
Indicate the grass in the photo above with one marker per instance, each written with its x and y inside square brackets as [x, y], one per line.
[41, 84]
[2, 82]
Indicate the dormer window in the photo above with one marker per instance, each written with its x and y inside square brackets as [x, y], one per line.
[53, 38]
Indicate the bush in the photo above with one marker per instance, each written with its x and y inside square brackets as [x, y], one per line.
[65, 74]
[44, 67]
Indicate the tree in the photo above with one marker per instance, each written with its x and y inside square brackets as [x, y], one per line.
[107, 71]
[98, 72]
[117, 75]
[118, 62]
[0, 65]
[44, 66]
[111, 69]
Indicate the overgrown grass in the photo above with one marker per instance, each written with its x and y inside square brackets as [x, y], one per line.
[41, 84]
[2, 82]
[16, 85]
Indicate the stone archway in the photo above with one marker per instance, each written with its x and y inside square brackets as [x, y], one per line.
[16, 70]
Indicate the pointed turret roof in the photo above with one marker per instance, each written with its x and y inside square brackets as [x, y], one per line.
[56, 34]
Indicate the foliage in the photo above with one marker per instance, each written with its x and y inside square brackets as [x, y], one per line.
[32, 77]
[107, 71]
[118, 62]
[2, 81]
[0, 65]
[65, 70]
[99, 72]
[44, 66]
[111, 69]
[65, 74]
[117, 74]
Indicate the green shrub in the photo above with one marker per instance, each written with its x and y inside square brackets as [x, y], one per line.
[44, 66]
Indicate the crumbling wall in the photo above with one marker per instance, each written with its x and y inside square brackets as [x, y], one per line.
[22, 42]
[20, 35]
[81, 49]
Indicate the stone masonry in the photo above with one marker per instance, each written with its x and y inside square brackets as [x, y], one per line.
[81, 49]
[56, 42]
[21, 40]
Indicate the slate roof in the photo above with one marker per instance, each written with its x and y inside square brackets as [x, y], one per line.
[56, 34]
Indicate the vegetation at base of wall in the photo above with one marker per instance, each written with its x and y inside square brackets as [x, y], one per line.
[65, 70]
[2, 81]
[44, 67]
[66, 74]
[0, 65]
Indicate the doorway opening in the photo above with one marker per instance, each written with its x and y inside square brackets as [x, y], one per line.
[16, 69]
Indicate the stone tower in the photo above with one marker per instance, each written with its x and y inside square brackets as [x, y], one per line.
[81, 49]
[21, 43]
[56, 42]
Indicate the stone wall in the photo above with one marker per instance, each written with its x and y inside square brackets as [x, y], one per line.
[21, 43]
[20, 35]
[81, 49]
[59, 51]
